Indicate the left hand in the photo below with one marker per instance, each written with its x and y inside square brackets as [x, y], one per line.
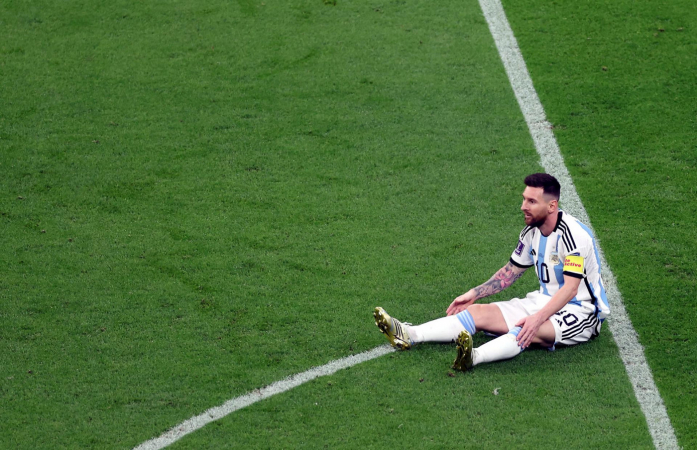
[461, 303]
[531, 325]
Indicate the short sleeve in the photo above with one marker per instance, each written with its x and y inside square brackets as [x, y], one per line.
[522, 256]
[577, 258]
[574, 266]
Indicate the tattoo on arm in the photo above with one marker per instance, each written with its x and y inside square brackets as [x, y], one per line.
[505, 277]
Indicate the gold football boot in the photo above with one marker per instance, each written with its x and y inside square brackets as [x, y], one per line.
[392, 328]
[463, 360]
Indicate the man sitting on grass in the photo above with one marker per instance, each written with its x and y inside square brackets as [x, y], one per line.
[568, 309]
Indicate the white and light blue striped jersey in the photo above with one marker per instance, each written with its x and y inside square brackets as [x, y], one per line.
[569, 250]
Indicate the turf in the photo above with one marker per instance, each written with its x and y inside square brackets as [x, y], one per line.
[628, 131]
[413, 398]
[201, 199]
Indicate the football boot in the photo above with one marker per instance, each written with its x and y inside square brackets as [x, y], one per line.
[395, 330]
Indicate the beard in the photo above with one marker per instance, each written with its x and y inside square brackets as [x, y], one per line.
[535, 222]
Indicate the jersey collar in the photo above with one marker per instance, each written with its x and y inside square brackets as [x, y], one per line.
[556, 227]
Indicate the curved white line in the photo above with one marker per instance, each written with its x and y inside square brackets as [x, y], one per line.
[218, 412]
[630, 350]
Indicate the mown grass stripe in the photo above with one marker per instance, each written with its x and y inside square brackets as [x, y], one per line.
[630, 349]
[218, 412]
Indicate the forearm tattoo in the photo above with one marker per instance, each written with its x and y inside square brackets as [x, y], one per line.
[505, 277]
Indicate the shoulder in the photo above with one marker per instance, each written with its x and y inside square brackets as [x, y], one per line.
[527, 231]
[574, 233]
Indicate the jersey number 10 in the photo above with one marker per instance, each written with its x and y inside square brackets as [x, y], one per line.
[543, 273]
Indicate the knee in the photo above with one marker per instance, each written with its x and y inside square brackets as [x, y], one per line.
[478, 312]
[488, 317]
[476, 308]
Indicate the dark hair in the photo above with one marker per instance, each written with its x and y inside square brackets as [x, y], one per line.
[547, 182]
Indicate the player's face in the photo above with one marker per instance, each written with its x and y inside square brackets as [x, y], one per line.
[535, 207]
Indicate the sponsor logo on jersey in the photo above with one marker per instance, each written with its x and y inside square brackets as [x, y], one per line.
[519, 248]
[573, 264]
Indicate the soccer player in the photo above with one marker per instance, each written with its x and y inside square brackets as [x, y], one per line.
[568, 309]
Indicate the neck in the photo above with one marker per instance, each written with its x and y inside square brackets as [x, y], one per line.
[549, 224]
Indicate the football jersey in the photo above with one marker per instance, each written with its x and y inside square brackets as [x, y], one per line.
[569, 250]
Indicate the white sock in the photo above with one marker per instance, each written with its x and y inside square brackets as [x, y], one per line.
[445, 329]
[503, 347]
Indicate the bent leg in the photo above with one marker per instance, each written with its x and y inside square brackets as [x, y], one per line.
[489, 317]
[545, 335]
[506, 346]
[503, 347]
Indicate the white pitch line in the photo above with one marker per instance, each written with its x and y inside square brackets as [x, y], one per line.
[243, 401]
[631, 351]
[621, 327]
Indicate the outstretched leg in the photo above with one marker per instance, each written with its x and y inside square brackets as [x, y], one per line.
[395, 331]
[446, 329]
[403, 335]
[488, 317]
[443, 330]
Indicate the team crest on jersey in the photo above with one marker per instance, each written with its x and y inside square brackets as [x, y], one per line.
[554, 258]
[519, 248]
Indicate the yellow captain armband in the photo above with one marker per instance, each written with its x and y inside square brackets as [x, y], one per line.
[573, 265]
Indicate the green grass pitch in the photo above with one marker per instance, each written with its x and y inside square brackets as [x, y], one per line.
[198, 199]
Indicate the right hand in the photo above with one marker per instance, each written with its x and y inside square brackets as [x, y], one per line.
[461, 303]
